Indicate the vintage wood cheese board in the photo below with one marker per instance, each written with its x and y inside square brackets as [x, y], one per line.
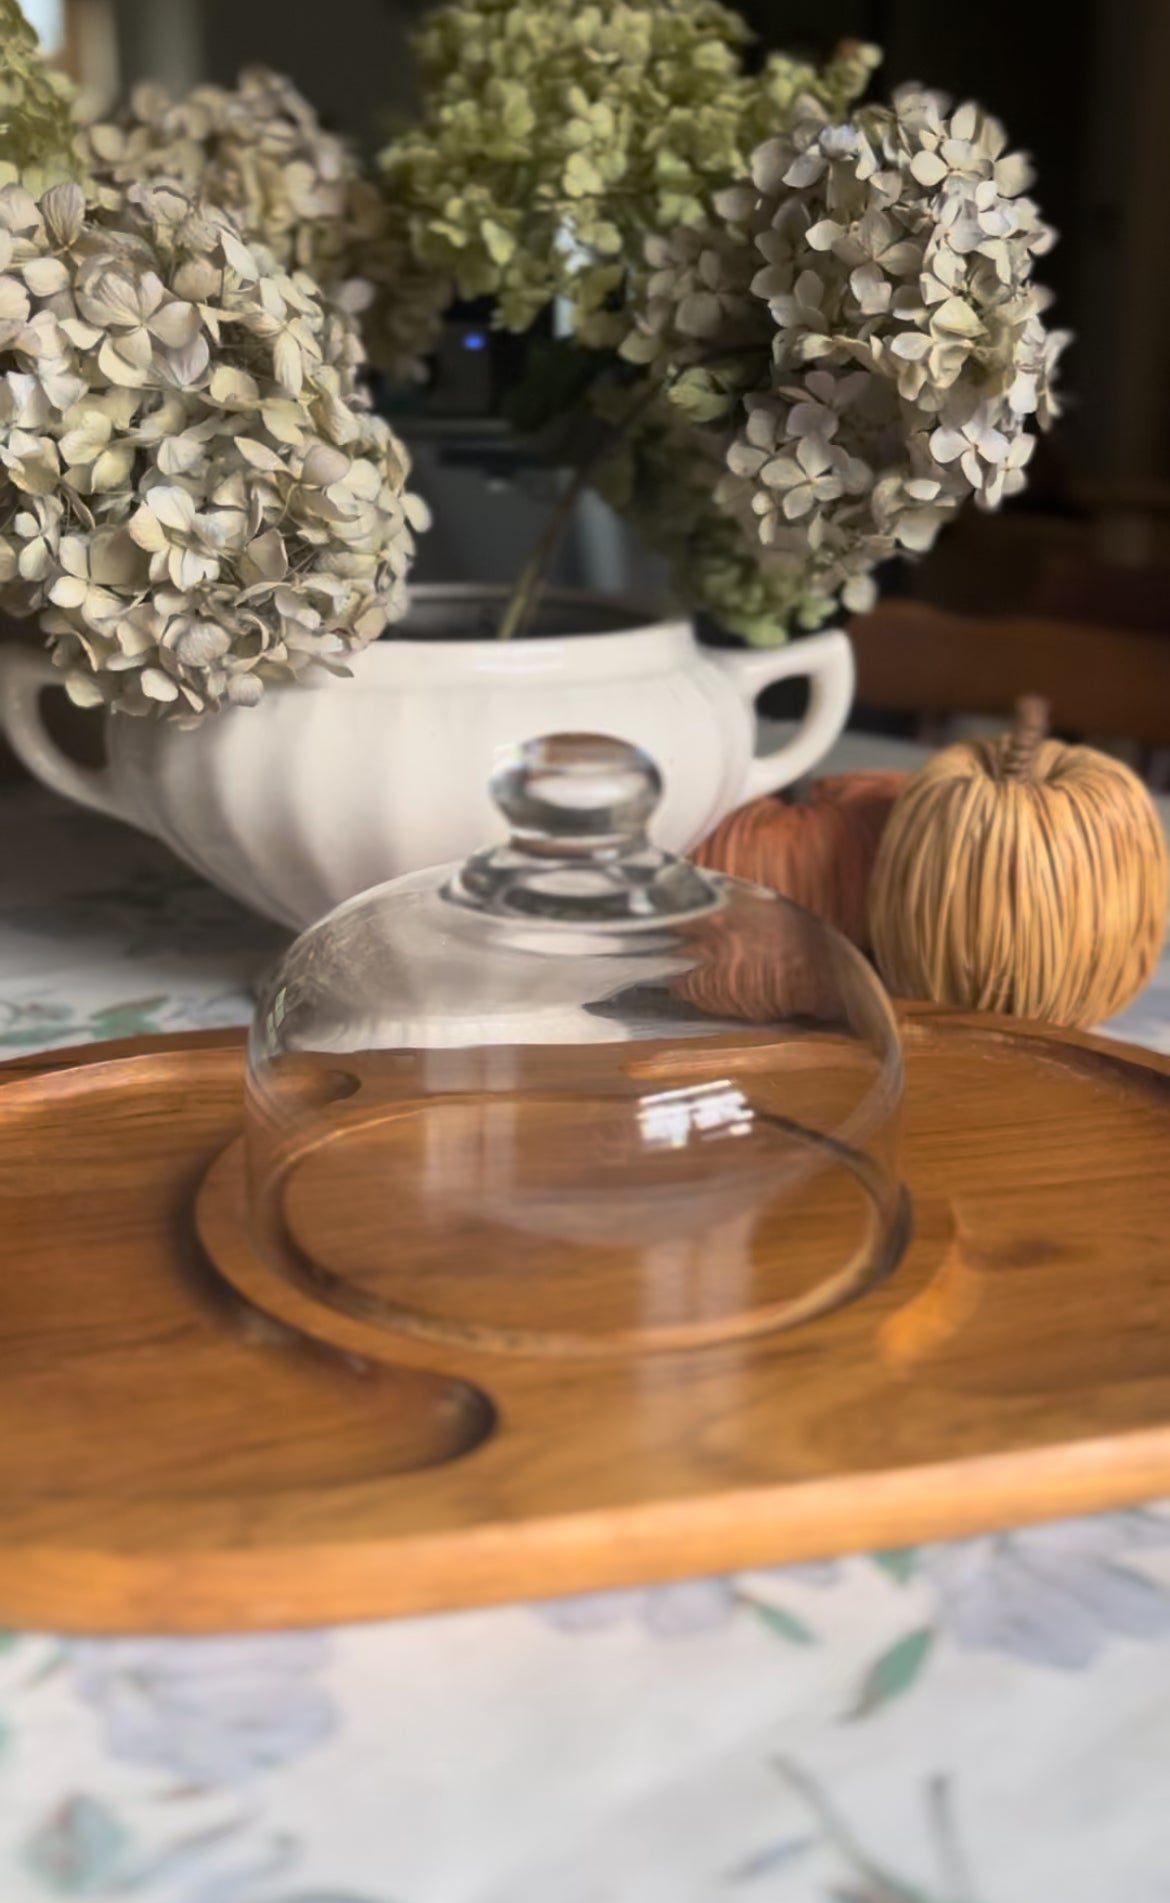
[189, 1443]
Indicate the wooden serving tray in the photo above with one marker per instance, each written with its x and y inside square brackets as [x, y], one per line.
[173, 1458]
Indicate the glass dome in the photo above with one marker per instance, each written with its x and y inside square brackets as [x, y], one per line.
[575, 1096]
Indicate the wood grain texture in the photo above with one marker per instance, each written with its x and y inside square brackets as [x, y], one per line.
[172, 1459]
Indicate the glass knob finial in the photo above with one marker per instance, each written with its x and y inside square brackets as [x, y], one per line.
[577, 807]
[583, 790]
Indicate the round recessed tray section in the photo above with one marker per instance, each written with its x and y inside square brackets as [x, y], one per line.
[637, 1221]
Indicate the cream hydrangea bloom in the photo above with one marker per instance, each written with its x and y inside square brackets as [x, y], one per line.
[260, 151]
[864, 331]
[194, 498]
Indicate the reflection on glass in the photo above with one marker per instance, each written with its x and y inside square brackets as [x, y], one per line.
[672, 1116]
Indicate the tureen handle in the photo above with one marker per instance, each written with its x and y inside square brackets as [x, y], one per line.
[24, 676]
[827, 659]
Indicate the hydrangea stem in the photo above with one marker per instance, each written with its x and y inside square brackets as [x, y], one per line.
[525, 596]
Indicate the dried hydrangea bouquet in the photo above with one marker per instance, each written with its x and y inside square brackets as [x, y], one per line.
[812, 326]
[857, 338]
[197, 500]
[801, 331]
[195, 495]
[194, 501]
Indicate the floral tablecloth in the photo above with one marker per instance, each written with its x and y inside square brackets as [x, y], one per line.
[985, 1722]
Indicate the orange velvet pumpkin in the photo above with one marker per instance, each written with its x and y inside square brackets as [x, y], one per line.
[816, 846]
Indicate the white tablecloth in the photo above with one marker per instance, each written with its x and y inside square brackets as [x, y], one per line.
[986, 1722]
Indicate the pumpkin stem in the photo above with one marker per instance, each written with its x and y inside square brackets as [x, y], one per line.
[1019, 754]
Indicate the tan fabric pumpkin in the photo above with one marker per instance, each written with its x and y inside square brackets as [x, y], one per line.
[1024, 876]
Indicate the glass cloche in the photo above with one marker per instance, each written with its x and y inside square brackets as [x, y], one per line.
[575, 1096]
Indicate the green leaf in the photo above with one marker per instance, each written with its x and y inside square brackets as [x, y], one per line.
[77, 1851]
[894, 1672]
[127, 1020]
[901, 1563]
[784, 1624]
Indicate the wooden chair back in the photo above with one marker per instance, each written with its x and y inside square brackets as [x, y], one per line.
[917, 659]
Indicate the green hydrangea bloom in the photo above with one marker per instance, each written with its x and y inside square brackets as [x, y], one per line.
[556, 137]
[36, 123]
[562, 148]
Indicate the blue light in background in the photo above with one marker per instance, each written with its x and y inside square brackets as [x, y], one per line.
[474, 340]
